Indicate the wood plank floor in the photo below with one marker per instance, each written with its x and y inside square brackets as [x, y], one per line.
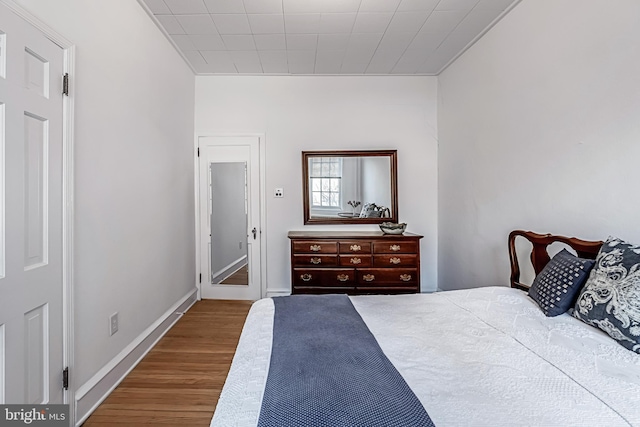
[240, 277]
[179, 381]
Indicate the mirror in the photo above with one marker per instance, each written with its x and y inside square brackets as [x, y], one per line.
[350, 187]
[228, 207]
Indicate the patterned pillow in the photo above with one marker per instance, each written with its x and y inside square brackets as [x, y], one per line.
[610, 300]
[556, 287]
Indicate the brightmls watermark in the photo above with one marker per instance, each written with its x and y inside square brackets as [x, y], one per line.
[34, 415]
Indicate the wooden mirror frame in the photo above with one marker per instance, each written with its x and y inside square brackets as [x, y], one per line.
[393, 157]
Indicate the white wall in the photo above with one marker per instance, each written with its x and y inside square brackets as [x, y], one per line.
[538, 128]
[134, 238]
[313, 113]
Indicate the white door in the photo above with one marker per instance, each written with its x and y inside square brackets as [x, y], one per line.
[31, 322]
[230, 235]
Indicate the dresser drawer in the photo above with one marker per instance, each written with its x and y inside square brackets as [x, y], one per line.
[355, 260]
[315, 247]
[399, 260]
[395, 247]
[315, 260]
[386, 277]
[355, 247]
[334, 277]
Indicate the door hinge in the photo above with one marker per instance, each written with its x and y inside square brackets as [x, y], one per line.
[200, 277]
[65, 378]
[65, 84]
[198, 151]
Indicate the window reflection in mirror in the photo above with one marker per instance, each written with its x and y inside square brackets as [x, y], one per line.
[350, 186]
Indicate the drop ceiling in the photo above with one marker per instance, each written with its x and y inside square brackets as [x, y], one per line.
[402, 37]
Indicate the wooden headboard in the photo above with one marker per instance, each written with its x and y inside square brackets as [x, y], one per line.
[540, 256]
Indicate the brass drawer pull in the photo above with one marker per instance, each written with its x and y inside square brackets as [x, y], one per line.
[315, 248]
[343, 277]
[368, 277]
[355, 261]
[394, 248]
[405, 277]
[355, 248]
[306, 277]
[394, 260]
[316, 260]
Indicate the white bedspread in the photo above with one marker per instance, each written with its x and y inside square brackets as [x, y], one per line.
[480, 357]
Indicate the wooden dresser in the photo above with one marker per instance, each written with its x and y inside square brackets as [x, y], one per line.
[354, 262]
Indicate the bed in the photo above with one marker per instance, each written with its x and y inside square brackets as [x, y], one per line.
[479, 357]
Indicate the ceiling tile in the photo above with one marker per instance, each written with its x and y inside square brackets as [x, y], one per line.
[372, 22]
[453, 44]
[306, 6]
[270, 41]
[207, 42]
[383, 61]
[409, 62]
[465, 5]
[416, 5]
[195, 58]
[232, 23]
[396, 41]
[301, 61]
[263, 6]
[247, 61]
[340, 6]
[379, 5]
[433, 64]
[302, 23]
[183, 42]
[333, 41]
[427, 41]
[494, 4]
[354, 67]
[157, 7]
[197, 24]
[323, 36]
[171, 24]
[359, 56]
[266, 24]
[358, 41]
[476, 22]
[220, 61]
[274, 61]
[408, 21]
[238, 42]
[185, 7]
[443, 21]
[224, 6]
[336, 22]
[329, 61]
[302, 41]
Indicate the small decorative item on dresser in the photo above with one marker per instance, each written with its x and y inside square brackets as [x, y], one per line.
[393, 228]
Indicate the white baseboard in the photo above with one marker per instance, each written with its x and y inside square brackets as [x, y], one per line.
[277, 292]
[93, 392]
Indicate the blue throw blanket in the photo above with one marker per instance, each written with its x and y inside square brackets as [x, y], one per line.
[327, 369]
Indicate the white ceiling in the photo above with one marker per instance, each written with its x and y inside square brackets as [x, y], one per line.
[324, 36]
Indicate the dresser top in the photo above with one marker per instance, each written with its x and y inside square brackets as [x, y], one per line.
[349, 235]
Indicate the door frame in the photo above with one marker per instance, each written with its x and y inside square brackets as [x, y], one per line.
[68, 120]
[262, 203]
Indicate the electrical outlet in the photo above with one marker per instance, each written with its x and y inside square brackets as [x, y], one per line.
[279, 192]
[113, 323]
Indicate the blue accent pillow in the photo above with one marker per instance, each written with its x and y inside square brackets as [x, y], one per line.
[556, 287]
[610, 300]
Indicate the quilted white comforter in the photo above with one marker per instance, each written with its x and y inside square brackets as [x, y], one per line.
[480, 357]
